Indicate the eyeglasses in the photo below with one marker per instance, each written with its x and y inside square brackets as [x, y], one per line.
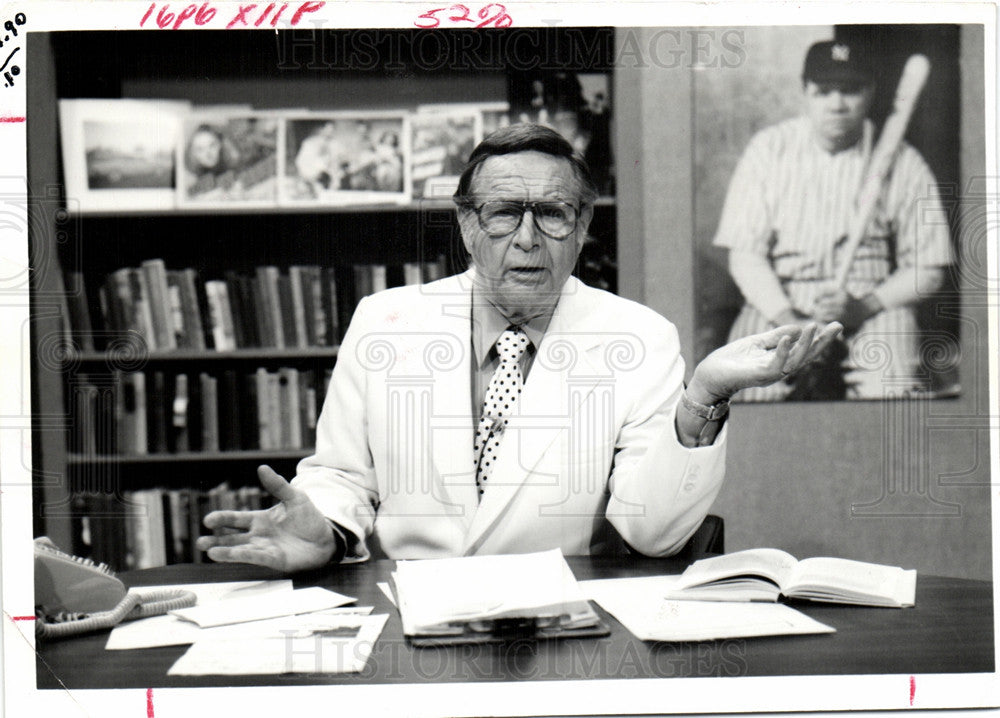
[499, 218]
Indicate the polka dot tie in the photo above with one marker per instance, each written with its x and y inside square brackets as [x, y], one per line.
[501, 397]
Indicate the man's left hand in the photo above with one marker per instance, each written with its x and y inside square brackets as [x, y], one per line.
[759, 360]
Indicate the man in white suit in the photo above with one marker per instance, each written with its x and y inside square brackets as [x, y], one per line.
[511, 408]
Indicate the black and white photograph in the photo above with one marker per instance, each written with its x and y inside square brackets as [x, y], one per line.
[564, 365]
[785, 235]
[119, 154]
[441, 142]
[345, 159]
[228, 158]
[575, 104]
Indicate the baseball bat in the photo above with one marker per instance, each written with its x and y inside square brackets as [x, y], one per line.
[911, 82]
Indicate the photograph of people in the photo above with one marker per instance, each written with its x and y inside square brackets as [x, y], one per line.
[344, 159]
[785, 221]
[228, 160]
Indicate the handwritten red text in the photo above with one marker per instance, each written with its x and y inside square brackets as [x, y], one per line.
[248, 15]
[492, 15]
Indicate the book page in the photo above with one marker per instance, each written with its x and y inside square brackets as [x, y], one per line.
[841, 579]
[769, 563]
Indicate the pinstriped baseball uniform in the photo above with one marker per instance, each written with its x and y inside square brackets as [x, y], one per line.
[791, 201]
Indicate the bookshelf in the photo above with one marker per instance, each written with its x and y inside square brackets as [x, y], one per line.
[75, 457]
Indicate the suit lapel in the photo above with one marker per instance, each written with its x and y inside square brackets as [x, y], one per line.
[451, 430]
[562, 375]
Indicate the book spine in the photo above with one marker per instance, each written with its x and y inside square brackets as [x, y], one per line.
[239, 312]
[332, 306]
[106, 304]
[191, 309]
[379, 280]
[194, 429]
[264, 416]
[141, 548]
[140, 317]
[122, 437]
[179, 414]
[271, 275]
[436, 269]
[289, 326]
[262, 308]
[412, 273]
[157, 295]
[229, 412]
[179, 526]
[249, 412]
[292, 404]
[298, 297]
[276, 420]
[157, 529]
[221, 314]
[84, 402]
[195, 516]
[250, 328]
[318, 317]
[176, 303]
[362, 282]
[112, 305]
[137, 417]
[129, 556]
[209, 413]
[169, 545]
[204, 310]
[307, 405]
[125, 289]
[156, 413]
[78, 305]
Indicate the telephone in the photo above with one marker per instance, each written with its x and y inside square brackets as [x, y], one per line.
[75, 595]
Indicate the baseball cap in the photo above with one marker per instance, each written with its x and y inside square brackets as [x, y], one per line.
[838, 61]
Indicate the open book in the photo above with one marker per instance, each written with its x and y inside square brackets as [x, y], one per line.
[764, 574]
[480, 598]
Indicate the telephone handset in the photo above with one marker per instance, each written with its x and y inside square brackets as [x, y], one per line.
[75, 595]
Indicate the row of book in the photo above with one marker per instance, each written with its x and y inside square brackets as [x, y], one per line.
[147, 528]
[297, 308]
[157, 412]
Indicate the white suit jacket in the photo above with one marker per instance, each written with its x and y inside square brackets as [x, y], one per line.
[593, 441]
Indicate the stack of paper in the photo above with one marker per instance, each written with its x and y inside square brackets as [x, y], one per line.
[168, 630]
[311, 643]
[262, 627]
[440, 597]
[257, 608]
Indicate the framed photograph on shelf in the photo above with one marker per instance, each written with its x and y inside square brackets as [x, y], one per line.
[118, 155]
[345, 159]
[441, 143]
[228, 158]
[578, 106]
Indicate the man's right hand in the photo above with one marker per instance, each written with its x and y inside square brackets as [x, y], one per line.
[290, 536]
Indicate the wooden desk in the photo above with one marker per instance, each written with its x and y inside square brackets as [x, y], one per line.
[950, 630]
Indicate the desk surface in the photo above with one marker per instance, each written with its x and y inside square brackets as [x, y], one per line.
[950, 630]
